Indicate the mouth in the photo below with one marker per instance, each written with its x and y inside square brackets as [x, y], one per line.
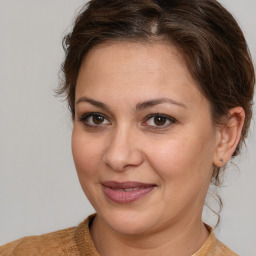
[126, 192]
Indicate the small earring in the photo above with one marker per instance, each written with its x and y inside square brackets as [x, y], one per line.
[221, 159]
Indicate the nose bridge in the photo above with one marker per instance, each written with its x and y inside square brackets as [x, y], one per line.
[123, 150]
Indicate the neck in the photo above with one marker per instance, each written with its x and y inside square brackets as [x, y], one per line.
[180, 239]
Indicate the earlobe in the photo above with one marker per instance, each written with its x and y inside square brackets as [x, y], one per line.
[230, 133]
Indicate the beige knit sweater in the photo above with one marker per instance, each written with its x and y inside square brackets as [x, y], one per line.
[77, 241]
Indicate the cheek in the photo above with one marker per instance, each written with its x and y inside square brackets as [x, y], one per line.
[184, 168]
[182, 158]
[169, 154]
[86, 153]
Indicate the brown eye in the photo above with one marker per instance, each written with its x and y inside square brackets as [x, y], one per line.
[94, 120]
[98, 119]
[159, 120]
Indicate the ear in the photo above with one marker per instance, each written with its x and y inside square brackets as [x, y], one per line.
[229, 136]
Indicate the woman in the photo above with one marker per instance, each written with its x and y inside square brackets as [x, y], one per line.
[160, 93]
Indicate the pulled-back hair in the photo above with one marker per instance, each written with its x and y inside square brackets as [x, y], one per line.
[205, 33]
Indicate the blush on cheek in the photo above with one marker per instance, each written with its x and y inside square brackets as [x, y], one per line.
[85, 163]
[87, 154]
[168, 157]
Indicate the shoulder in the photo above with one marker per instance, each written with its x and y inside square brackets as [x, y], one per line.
[222, 249]
[60, 242]
[213, 247]
[72, 241]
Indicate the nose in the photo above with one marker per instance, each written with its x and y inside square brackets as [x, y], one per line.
[123, 150]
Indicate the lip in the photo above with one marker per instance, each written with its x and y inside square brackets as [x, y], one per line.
[126, 192]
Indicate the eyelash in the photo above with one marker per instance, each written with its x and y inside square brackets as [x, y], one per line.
[171, 120]
[85, 117]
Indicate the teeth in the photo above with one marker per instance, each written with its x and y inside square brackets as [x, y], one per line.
[130, 189]
[127, 189]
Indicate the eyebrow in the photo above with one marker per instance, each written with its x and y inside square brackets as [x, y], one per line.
[150, 103]
[95, 103]
[139, 107]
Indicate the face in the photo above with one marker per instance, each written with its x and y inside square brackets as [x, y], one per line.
[143, 140]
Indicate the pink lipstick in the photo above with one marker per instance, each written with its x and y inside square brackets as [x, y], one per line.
[126, 192]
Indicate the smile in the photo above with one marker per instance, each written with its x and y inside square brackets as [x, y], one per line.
[126, 192]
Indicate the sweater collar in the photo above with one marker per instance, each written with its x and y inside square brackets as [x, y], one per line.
[86, 245]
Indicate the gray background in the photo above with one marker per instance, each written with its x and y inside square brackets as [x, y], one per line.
[39, 189]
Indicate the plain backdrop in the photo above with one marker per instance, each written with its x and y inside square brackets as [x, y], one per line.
[39, 189]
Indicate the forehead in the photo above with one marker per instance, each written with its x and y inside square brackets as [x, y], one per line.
[140, 70]
[131, 57]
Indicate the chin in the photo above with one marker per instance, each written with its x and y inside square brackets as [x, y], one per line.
[128, 222]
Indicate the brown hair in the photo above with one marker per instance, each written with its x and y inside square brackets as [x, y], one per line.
[207, 35]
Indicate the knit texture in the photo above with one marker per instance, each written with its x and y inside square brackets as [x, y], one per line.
[77, 241]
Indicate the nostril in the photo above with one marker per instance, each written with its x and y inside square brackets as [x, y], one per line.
[121, 160]
[123, 150]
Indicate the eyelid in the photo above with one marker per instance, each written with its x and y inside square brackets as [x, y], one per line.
[91, 114]
[85, 116]
[169, 118]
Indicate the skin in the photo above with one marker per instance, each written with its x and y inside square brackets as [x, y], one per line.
[127, 145]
